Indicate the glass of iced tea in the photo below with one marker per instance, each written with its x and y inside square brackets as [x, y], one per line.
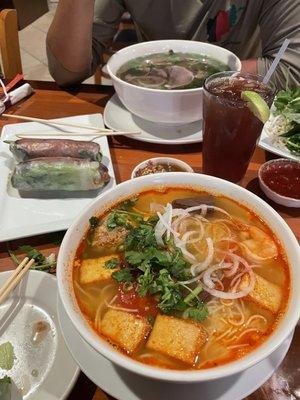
[230, 129]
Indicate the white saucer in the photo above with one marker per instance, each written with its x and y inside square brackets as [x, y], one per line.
[124, 385]
[45, 369]
[117, 117]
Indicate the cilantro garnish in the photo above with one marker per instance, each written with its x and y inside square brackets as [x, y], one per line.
[111, 264]
[124, 275]
[156, 271]
[42, 262]
[94, 222]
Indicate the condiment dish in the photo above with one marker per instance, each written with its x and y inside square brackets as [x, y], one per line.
[180, 166]
[277, 165]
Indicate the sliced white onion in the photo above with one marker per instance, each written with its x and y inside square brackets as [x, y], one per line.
[235, 265]
[205, 207]
[166, 225]
[189, 256]
[231, 294]
[185, 237]
[199, 267]
[159, 231]
[179, 211]
[207, 279]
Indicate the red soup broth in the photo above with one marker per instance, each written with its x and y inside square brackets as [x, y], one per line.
[232, 329]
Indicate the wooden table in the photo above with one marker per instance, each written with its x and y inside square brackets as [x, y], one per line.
[49, 101]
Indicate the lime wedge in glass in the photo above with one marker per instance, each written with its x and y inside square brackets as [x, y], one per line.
[257, 105]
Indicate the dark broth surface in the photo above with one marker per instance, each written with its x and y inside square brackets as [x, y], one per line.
[173, 304]
[172, 70]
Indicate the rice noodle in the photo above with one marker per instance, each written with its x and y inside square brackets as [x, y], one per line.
[237, 346]
[256, 316]
[247, 331]
[130, 310]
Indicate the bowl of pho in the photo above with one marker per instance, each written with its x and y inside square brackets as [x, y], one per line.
[161, 81]
[181, 277]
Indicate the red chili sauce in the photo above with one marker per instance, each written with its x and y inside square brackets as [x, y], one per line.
[283, 177]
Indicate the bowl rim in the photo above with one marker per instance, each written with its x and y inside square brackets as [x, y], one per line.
[170, 179]
[155, 160]
[151, 90]
[262, 181]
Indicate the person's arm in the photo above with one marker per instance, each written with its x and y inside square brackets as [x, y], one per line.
[76, 37]
[249, 66]
[280, 19]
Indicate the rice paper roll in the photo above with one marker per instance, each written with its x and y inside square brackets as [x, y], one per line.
[27, 149]
[59, 173]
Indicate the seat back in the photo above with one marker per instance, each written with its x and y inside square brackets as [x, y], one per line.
[9, 44]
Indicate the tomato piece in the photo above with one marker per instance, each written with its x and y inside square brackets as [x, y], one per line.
[128, 297]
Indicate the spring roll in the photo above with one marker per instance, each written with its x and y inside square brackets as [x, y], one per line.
[59, 173]
[28, 149]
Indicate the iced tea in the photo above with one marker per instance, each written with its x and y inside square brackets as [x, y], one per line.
[230, 129]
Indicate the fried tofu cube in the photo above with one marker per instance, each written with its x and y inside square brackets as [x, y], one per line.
[265, 294]
[177, 338]
[93, 269]
[125, 329]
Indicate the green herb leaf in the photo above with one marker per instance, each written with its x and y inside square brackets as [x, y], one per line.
[112, 264]
[116, 218]
[197, 314]
[31, 252]
[124, 275]
[5, 388]
[140, 238]
[42, 263]
[192, 295]
[129, 203]
[94, 222]
[151, 319]
[6, 356]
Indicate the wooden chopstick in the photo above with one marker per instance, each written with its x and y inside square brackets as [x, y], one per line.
[15, 278]
[49, 122]
[92, 134]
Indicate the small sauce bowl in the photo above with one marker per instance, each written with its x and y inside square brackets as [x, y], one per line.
[158, 165]
[280, 180]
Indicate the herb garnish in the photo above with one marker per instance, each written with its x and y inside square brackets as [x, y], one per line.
[158, 272]
[111, 264]
[94, 222]
[42, 262]
[124, 275]
[287, 105]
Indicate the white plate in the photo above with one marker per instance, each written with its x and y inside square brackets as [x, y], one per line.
[117, 117]
[124, 385]
[35, 299]
[20, 217]
[267, 143]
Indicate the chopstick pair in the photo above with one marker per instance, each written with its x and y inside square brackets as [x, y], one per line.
[95, 129]
[15, 278]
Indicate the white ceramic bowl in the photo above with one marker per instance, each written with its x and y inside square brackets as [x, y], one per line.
[278, 198]
[170, 179]
[165, 160]
[174, 107]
